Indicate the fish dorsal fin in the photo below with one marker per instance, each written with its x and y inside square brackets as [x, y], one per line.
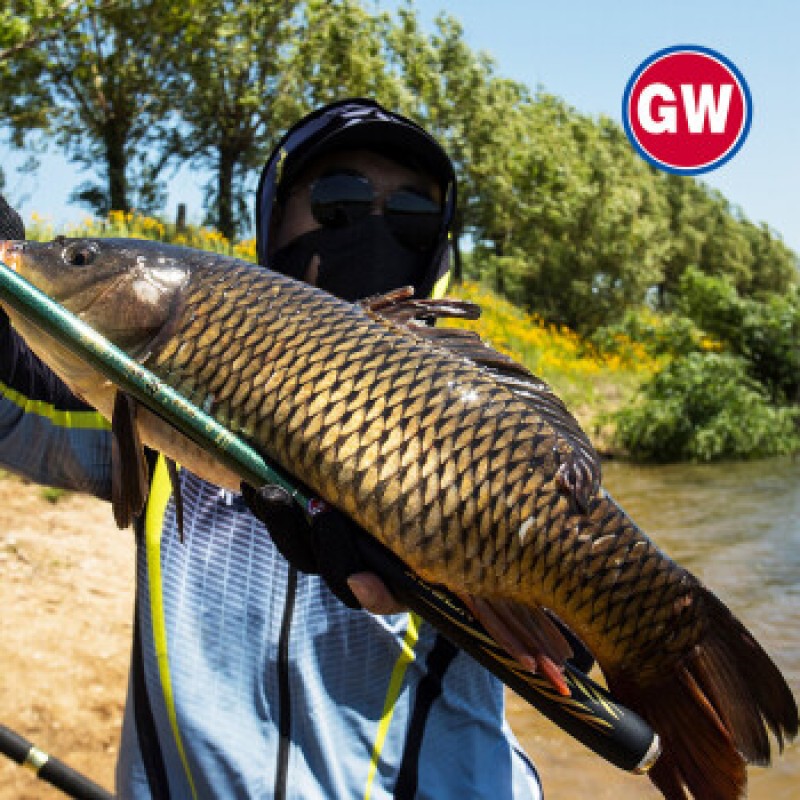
[579, 473]
[129, 477]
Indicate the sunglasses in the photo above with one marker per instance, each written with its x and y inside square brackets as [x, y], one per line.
[342, 198]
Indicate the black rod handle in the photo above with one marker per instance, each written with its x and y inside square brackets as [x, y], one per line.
[589, 714]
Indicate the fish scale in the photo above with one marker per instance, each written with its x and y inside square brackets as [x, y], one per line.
[450, 528]
[461, 462]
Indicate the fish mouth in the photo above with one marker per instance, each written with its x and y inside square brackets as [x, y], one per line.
[9, 248]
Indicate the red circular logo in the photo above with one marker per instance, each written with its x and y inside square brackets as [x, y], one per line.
[687, 109]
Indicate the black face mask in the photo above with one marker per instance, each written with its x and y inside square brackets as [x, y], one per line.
[356, 261]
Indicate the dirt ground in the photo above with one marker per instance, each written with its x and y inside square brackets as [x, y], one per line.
[66, 603]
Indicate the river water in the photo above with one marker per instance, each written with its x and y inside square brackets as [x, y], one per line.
[737, 527]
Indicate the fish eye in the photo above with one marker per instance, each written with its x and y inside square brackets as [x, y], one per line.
[80, 254]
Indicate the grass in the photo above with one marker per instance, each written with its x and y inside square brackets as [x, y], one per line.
[52, 494]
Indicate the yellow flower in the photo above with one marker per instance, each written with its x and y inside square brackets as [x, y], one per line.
[710, 345]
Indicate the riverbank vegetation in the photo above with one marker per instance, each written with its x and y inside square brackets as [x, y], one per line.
[664, 316]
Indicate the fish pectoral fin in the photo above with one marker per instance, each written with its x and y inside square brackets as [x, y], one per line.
[574, 479]
[129, 483]
[528, 635]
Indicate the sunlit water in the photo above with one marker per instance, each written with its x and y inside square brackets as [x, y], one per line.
[737, 527]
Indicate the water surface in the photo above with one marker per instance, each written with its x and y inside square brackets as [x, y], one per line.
[737, 527]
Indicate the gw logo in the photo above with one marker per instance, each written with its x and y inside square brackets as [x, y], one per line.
[687, 109]
[696, 109]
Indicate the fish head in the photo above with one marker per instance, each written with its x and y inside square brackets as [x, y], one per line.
[123, 288]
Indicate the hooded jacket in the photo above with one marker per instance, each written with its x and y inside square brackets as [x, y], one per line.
[352, 124]
[249, 679]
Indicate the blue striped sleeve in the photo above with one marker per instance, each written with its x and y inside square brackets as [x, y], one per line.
[48, 434]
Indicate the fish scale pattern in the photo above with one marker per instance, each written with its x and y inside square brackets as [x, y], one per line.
[464, 464]
[450, 469]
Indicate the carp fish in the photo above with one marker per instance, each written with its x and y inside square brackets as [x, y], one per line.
[460, 461]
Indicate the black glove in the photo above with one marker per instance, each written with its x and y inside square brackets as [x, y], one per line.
[334, 547]
[11, 225]
[328, 545]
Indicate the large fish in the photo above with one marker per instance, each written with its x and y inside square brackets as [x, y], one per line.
[460, 461]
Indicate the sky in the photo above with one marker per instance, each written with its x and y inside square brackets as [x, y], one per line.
[584, 51]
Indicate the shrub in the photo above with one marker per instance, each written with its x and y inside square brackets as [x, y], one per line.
[703, 407]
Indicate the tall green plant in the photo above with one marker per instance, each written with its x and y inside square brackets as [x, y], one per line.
[457, 95]
[762, 330]
[247, 70]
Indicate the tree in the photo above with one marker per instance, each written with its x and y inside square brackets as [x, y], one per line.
[687, 207]
[229, 65]
[100, 90]
[765, 332]
[247, 70]
[25, 102]
[775, 267]
[579, 234]
[705, 232]
[455, 94]
[705, 407]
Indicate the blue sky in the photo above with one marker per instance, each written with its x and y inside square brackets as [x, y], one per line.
[585, 52]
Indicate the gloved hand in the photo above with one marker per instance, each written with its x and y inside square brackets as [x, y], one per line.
[333, 546]
[328, 546]
[11, 225]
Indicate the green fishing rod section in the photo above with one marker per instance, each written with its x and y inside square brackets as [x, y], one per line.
[589, 713]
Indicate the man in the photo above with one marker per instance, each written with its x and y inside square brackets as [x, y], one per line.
[251, 678]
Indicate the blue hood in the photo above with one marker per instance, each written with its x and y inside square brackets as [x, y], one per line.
[356, 123]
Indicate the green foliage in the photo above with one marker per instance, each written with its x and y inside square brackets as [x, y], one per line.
[734, 375]
[582, 233]
[25, 102]
[704, 407]
[91, 73]
[230, 67]
[52, 494]
[763, 330]
[567, 220]
[660, 335]
[247, 71]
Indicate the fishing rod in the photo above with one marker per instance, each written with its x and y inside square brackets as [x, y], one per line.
[48, 768]
[589, 713]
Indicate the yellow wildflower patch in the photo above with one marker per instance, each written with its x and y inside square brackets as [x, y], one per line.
[132, 224]
[545, 348]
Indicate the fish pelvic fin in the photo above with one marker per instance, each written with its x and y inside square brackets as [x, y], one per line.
[129, 474]
[527, 634]
[713, 710]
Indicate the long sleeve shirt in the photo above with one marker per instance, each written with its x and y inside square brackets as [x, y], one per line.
[249, 679]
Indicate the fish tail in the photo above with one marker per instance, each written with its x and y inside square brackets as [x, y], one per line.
[713, 710]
